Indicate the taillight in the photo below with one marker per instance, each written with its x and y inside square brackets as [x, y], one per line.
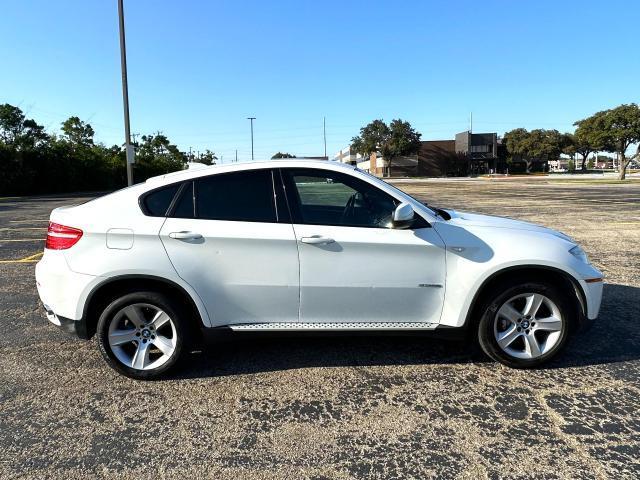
[61, 237]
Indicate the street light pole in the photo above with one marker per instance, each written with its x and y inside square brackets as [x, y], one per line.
[125, 96]
[251, 119]
[324, 136]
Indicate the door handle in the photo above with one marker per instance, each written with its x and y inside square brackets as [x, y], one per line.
[317, 240]
[185, 235]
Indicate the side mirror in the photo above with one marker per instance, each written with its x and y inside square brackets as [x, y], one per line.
[403, 216]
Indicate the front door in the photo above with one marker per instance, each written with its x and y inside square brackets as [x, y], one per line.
[226, 238]
[354, 267]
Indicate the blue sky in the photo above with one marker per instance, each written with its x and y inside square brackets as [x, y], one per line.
[197, 69]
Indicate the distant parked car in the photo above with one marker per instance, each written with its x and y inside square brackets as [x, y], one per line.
[293, 245]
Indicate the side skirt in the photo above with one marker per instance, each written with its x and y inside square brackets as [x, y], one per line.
[331, 326]
[316, 330]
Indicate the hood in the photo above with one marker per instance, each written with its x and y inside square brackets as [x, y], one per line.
[465, 219]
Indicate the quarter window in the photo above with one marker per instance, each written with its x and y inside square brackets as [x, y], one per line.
[157, 202]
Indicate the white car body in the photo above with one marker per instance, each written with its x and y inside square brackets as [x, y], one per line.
[265, 276]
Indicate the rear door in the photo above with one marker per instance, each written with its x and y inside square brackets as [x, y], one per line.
[354, 267]
[229, 236]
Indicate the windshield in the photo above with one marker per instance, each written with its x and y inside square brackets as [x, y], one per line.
[378, 179]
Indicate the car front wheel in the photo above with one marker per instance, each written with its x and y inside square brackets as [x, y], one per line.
[142, 334]
[526, 325]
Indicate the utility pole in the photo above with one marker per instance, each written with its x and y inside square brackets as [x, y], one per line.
[324, 136]
[251, 119]
[471, 122]
[125, 96]
[236, 155]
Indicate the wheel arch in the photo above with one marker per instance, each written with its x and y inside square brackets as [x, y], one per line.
[557, 275]
[105, 292]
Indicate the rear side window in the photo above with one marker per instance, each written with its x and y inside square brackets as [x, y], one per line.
[157, 202]
[241, 196]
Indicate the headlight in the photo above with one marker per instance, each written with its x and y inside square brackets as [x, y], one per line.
[579, 253]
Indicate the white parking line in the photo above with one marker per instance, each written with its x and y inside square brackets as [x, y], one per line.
[22, 228]
[35, 220]
[21, 240]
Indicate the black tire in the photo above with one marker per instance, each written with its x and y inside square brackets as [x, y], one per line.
[154, 299]
[562, 297]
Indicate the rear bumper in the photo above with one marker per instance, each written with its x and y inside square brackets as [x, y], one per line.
[74, 327]
[62, 292]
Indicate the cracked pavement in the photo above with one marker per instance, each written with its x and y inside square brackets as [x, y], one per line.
[343, 408]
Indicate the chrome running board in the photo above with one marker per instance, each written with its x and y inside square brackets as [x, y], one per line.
[331, 326]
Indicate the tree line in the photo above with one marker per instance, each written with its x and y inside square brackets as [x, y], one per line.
[33, 161]
[613, 130]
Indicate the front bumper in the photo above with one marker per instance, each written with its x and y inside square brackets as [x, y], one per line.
[593, 293]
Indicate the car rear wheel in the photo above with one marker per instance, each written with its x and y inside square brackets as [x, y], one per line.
[142, 334]
[526, 325]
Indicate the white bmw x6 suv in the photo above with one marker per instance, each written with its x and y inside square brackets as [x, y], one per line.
[296, 245]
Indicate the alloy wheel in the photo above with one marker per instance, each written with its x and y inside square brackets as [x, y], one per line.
[142, 336]
[528, 325]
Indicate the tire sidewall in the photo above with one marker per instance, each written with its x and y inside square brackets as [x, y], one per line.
[153, 298]
[486, 337]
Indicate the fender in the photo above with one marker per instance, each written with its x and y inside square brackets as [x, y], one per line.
[464, 319]
[186, 289]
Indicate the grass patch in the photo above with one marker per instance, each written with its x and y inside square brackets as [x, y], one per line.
[594, 181]
[323, 193]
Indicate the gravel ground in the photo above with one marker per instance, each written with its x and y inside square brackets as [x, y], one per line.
[343, 408]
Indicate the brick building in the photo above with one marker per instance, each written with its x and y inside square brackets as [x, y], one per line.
[467, 154]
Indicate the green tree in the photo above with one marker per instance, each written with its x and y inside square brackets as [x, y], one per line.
[538, 144]
[545, 144]
[569, 145]
[587, 138]
[19, 132]
[156, 155]
[208, 158]
[282, 155]
[517, 145]
[615, 130]
[11, 123]
[31, 161]
[397, 139]
[77, 132]
[24, 147]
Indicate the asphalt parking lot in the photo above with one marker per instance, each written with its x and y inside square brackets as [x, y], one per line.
[344, 408]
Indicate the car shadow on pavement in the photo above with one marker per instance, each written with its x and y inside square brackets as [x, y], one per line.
[614, 337]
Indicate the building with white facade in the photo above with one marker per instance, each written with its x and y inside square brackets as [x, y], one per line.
[347, 155]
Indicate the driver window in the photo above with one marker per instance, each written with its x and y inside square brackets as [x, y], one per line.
[332, 198]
